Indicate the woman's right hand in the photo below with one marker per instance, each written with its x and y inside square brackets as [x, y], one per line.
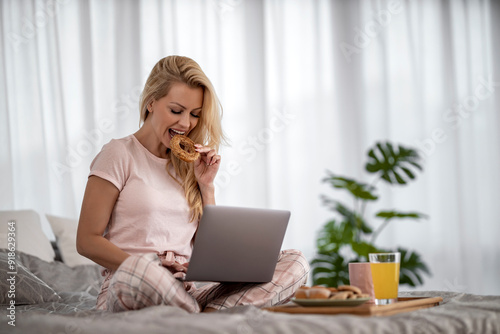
[177, 269]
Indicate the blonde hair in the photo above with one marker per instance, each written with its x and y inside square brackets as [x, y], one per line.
[176, 69]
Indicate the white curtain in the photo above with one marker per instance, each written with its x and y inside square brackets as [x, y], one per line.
[306, 86]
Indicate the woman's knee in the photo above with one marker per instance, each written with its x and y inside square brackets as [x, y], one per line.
[128, 289]
[298, 257]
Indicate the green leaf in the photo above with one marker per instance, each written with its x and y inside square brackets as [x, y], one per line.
[364, 248]
[354, 219]
[325, 281]
[333, 235]
[357, 189]
[408, 172]
[330, 270]
[411, 268]
[393, 164]
[389, 148]
[322, 269]
[416, 165]
[399, 178]
[330, 203]
[395, 214]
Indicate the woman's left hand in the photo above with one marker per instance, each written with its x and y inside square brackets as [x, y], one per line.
[177, 269]
[207, 165]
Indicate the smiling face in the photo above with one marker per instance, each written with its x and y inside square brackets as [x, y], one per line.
[176, 113]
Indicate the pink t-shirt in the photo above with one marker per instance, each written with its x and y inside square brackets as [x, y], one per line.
[151, 214]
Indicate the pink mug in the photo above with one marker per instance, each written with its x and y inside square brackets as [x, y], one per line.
[360, 275]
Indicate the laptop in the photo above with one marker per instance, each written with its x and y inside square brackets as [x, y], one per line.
[235, 244]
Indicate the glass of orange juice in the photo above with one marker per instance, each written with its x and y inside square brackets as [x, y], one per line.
[385, 276]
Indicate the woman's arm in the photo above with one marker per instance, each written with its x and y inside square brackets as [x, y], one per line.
[205, 169]
[208, 195]
[98, 202]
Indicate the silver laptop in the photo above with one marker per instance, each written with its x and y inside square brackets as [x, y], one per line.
[236, 244]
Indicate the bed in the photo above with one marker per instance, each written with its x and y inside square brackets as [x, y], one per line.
[58, 297]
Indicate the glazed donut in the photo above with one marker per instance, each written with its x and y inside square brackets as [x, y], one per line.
[183, 148]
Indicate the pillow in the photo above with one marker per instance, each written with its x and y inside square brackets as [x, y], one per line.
[65, 231]
[20, 285]
[28, 233]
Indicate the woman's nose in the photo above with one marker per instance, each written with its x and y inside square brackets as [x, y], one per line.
[184, 120]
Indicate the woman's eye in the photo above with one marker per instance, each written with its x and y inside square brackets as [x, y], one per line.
[175, 112]
[196, 116]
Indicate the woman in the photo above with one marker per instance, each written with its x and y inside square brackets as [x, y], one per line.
[142, 204]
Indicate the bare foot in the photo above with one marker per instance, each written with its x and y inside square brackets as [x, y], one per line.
[209, 310]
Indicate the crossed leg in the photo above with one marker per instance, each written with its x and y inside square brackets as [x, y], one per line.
[141, 281]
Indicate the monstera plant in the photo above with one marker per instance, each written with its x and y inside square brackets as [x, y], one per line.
[348, 237]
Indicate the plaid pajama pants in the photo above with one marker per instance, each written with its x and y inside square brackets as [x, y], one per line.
[141, 281]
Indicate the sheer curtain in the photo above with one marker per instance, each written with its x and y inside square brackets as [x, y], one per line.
[306, 86]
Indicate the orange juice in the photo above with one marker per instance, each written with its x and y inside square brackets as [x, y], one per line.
[385, 279]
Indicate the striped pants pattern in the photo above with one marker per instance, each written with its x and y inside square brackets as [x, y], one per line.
[141, 281]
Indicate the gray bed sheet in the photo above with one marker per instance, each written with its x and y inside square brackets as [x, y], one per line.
[74, 313]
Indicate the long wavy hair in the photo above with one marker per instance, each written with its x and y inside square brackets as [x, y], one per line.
[177, 69]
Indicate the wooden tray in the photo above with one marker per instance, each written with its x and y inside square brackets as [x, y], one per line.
[403, 305]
